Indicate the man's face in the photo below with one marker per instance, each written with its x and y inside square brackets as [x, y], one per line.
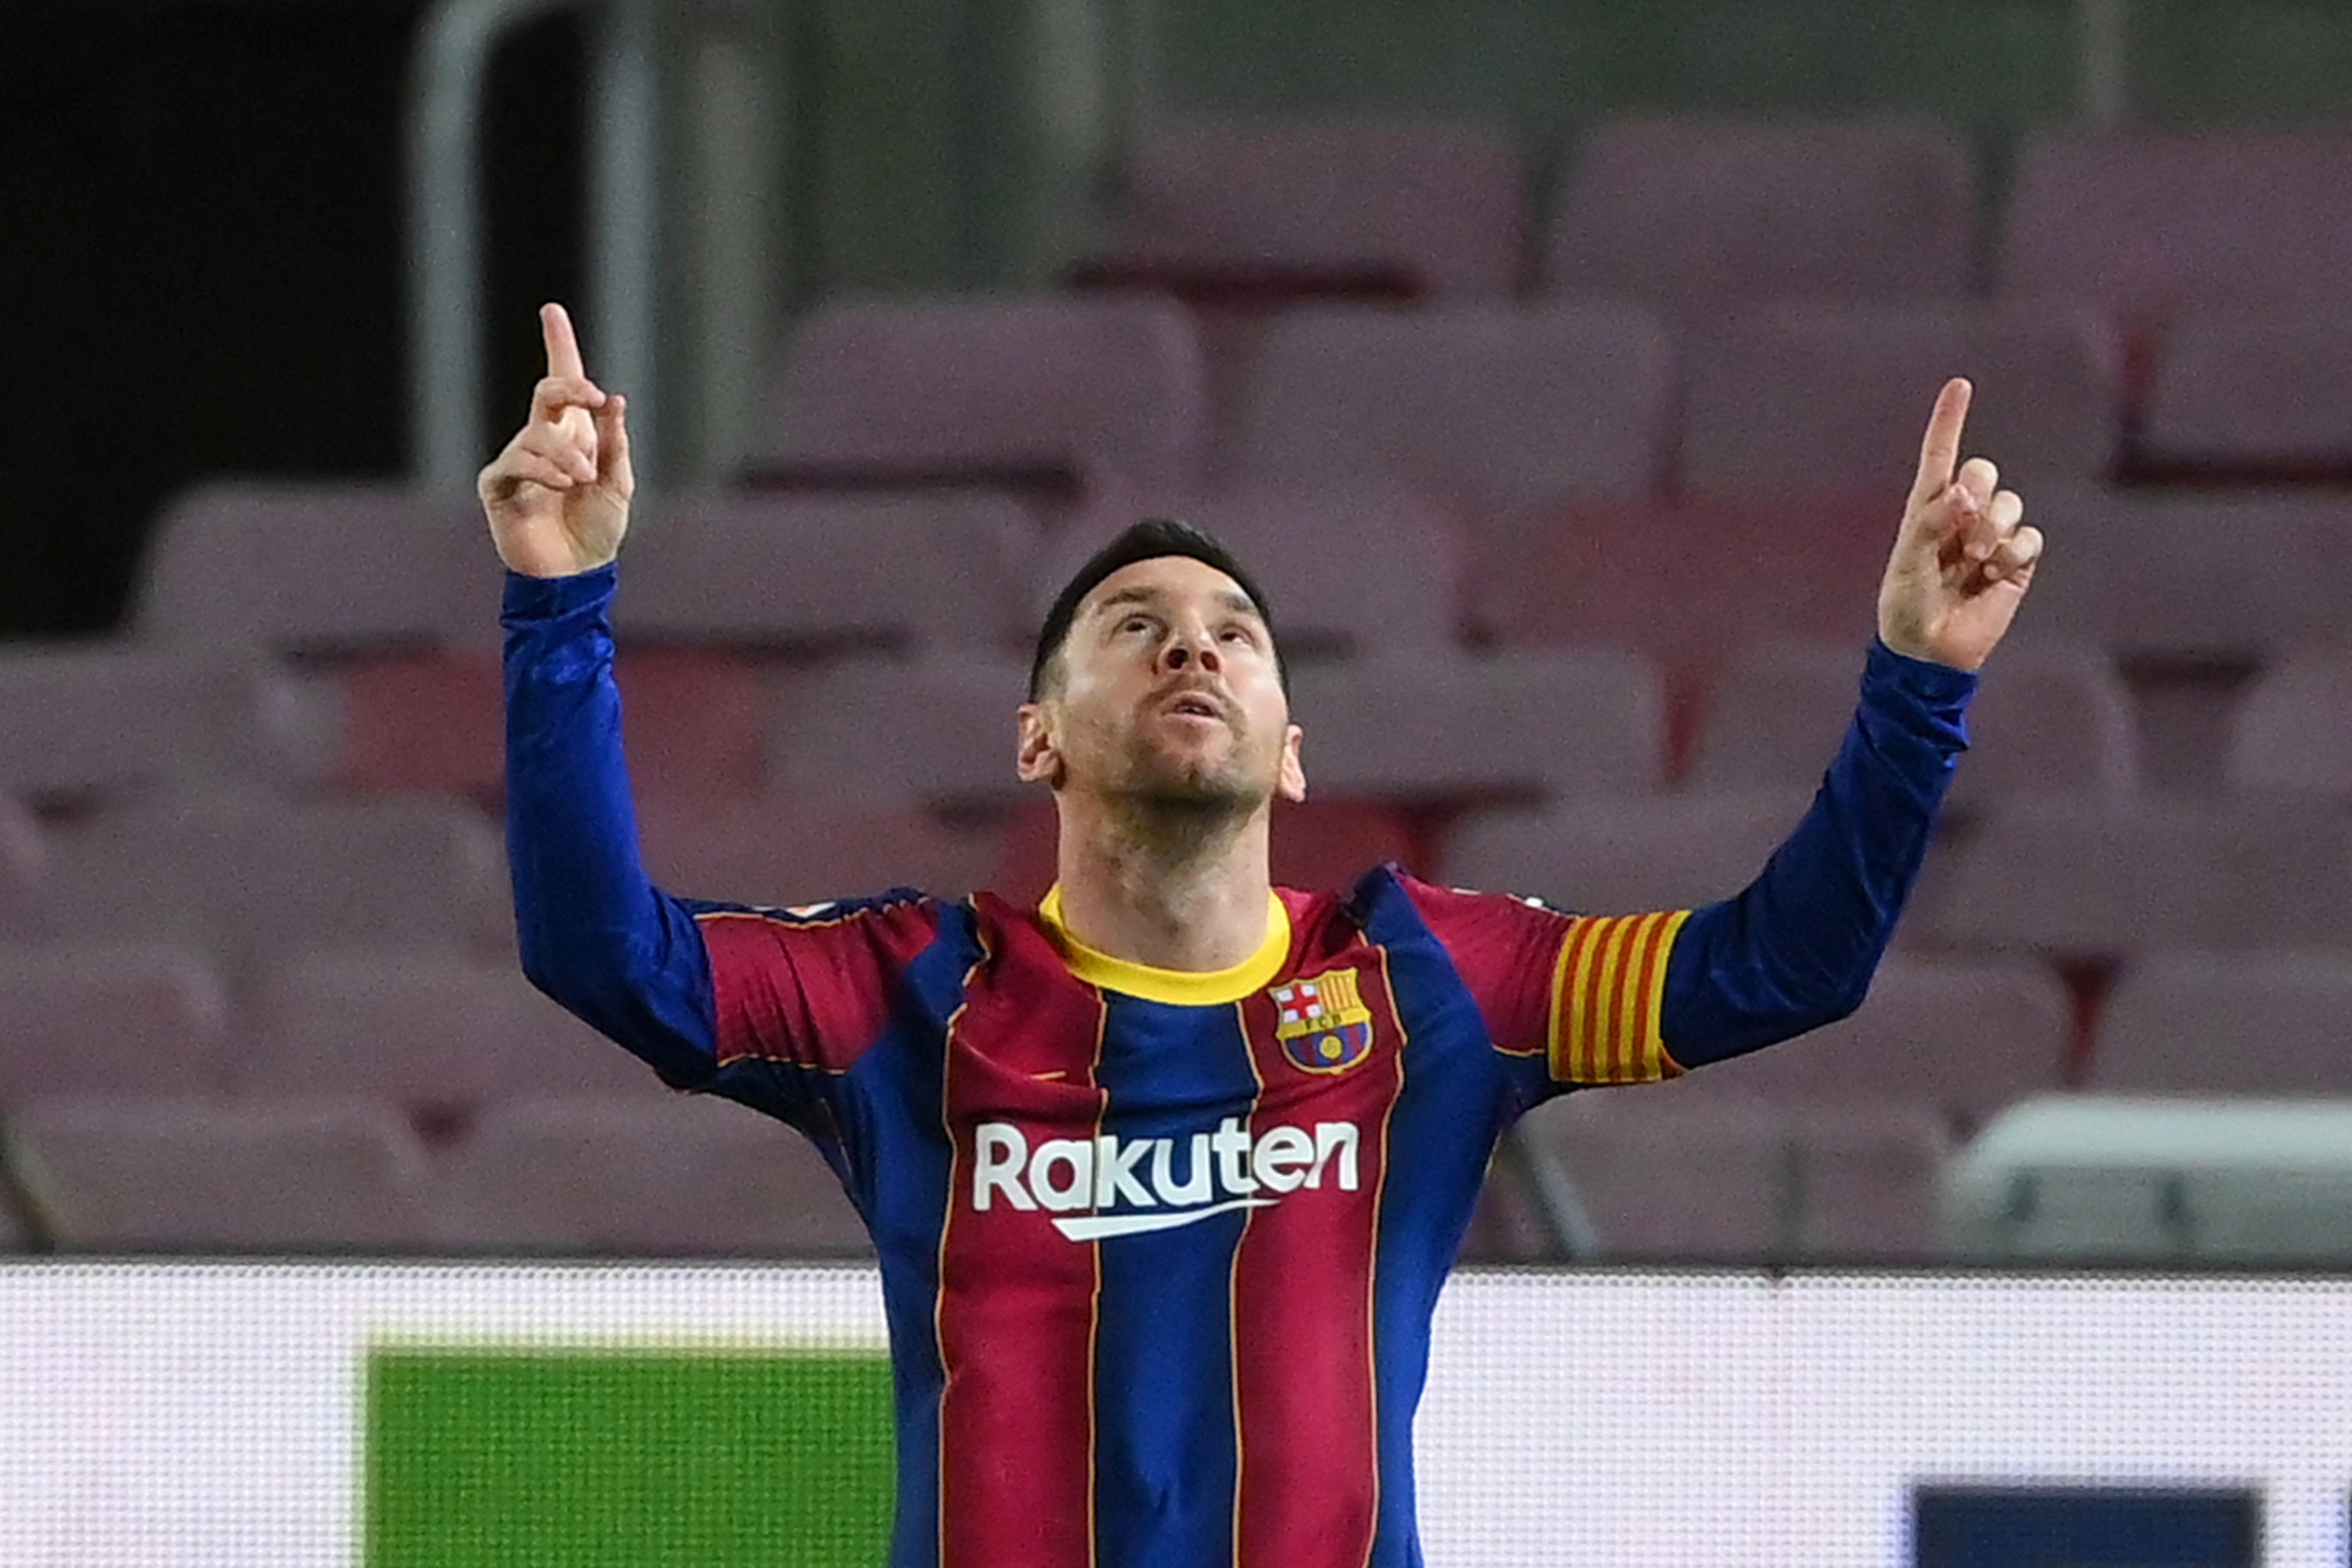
[1165, 692]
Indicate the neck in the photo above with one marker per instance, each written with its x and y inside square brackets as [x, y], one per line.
[1173, 888]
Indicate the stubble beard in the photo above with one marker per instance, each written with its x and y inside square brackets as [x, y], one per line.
[1179, 809]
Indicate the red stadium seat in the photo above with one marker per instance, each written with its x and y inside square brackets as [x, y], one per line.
[110, 1174]
[2088, 880]
[420, 1030]
[1871, 1183]
[1497, 410]
[325, 567]
[1673, 1176]
[88, 722]
[2292, 733]
[2048, 720]
[1697, 217]
[587, 1173]
[2229, 1024]
[1215, 208]
[435, 721]
[1823, 400]
[1684, 584]
[885, 735]
[783, 852]
[417, 721]
[2144, 224]
[240, 874]
[1963, 1039]
[1543, 723]
[2254, 393]
[821, 572]
[1624, 856]
[2228, 576]
[1352, 571]
[97, 1017]
[1049, 391]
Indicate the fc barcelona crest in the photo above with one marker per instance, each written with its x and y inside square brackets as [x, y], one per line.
[1322, 1024]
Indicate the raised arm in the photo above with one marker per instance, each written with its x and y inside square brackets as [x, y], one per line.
[1797, 948]
[595, 933]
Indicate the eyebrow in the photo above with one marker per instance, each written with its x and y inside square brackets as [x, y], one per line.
[1232, 599]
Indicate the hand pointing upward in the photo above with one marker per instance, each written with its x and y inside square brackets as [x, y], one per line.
[1963, 558]
[558, 496]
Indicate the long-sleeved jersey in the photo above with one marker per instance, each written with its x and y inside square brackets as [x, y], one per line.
[1160, 1250]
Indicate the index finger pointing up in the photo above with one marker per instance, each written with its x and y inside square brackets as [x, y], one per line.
[1939, 453]
[562, 343]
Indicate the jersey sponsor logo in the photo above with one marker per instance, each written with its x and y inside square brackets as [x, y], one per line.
[1128, 1185]
[1322, 1024]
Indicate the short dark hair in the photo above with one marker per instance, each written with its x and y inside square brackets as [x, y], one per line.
[1146, 540]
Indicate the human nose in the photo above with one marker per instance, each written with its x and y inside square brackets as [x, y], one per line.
[1188, 647]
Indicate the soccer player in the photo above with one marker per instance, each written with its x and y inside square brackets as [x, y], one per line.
[1165, 1174]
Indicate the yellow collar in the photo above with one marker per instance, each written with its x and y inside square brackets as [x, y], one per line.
[1183, 988]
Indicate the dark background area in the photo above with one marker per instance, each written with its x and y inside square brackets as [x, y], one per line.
[202, 267]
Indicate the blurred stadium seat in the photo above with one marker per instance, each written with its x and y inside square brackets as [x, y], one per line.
[2254, 394]
[2092, 880]
[240, 874]
[1960, 1038]
[826, 572]
[319, 568]
[1216, 209]
[883, 734]
[584, 1173]
[784, 852]
[1050, 392]
[1700, 217]
[1550, 722]
[1618, 857]
[1685, 584]
[1830, 399]
[94, 720]
[92, 1017]
[2230, 575]
[2144, 224]
[416, 1029]
[434, 723]
[2048, 720]
[1670, 1174]
[1496, 409]
[106, 1173]
[1355, 570]
[2229, 1024]
[2292, 732]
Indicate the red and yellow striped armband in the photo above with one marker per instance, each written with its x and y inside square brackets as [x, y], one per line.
[1607, 994]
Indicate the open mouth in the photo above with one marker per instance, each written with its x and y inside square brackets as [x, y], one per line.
[1195, 707]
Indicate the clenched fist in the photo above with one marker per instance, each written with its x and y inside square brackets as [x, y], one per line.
[1964, 556]
[558, 496]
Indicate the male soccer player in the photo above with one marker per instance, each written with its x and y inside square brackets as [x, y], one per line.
[1165, 1174]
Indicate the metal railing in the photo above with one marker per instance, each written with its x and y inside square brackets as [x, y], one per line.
[446, 227]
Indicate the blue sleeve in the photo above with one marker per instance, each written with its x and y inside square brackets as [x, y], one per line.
[596, 934]
[1797, 949]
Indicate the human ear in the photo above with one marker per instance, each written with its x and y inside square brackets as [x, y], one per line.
[1291, 782]
[1037, 758]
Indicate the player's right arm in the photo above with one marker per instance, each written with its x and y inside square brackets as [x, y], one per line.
[765, 1009]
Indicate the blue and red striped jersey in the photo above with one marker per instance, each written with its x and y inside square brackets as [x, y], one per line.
[1159, 1251]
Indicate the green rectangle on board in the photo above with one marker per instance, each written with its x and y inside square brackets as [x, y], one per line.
[601, 1460]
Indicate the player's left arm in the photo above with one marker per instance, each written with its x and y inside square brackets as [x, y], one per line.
[1797, 948]
[1634, 999]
